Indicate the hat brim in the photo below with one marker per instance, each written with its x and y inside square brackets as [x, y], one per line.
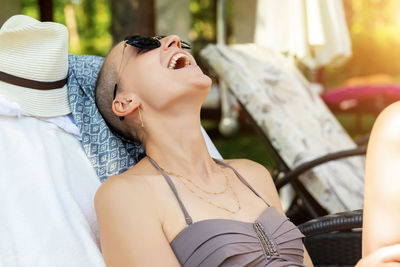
[39, 103]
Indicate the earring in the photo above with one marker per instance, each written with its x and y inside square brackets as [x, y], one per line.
[140, 116]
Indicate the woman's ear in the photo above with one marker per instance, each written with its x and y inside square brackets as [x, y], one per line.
[124, 106]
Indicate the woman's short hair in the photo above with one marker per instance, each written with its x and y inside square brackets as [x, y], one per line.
[105, 83]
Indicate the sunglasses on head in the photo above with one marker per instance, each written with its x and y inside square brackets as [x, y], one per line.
[144, 43]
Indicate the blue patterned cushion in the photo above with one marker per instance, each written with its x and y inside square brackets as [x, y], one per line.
[109, 154]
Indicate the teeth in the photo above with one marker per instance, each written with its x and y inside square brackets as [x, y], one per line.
[175, 58]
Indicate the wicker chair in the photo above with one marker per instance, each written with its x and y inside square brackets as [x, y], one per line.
[334, 239]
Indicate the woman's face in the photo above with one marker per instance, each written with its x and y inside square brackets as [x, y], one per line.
[164, 75]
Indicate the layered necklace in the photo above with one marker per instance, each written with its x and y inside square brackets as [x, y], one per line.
[228, 186]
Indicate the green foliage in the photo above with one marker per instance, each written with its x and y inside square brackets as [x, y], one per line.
[203, 29]
[245, 145]
[30, 8]
[203, 20]
[203, 24]
[93, 19]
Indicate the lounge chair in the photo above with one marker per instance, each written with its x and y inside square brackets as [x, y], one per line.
[311, 149]
[295, 124]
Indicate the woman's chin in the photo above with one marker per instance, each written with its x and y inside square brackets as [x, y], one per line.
[204, 82]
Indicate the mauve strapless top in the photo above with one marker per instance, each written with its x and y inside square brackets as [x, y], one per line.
[272, 240]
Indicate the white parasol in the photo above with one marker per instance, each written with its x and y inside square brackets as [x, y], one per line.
[313, 31]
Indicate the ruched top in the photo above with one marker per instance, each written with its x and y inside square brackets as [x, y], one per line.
[272, 240]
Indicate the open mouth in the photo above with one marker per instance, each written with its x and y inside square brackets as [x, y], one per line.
[179, 61]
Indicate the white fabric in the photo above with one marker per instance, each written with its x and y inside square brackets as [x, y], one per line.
[294, 118]
[314, 31]
[210, 146]
[47, 186]
[12, 109]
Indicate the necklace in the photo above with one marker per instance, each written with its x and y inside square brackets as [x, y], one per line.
[197, 186]
[228, 186]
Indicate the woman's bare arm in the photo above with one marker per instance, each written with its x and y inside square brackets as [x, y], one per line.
[130, 225]
[382, 183]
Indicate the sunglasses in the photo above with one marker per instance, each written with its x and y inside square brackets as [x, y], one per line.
[144, 43]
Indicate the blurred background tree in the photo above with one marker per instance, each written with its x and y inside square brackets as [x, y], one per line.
[46, 10]
[133, 17]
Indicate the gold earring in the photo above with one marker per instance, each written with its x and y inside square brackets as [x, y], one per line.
[140, 116]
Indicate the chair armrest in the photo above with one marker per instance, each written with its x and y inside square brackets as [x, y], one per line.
[330, 241]
[333, 222]
[306, 166]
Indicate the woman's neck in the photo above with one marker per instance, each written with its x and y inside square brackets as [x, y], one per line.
[178, 146]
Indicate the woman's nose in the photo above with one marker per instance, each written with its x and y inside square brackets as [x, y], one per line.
[170, 41]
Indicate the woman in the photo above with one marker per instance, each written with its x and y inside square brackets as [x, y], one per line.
[178, 206]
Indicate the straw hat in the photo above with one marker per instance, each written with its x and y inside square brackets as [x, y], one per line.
[34, 65]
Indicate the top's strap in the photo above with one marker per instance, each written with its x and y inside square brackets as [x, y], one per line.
[240, 178]
[15, 80]
[188, 219]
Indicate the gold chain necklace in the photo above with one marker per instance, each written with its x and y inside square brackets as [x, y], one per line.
[198, 187]
[228, 185]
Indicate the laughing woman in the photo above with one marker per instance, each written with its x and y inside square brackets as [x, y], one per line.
[178, 206]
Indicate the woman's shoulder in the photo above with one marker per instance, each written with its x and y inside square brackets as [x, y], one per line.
[129, 189]
[249, 168]
[258, 177]
[383, 155]
[391, 111]
[248, 165]
[387, 125]
[134, 181]
[123, 182]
